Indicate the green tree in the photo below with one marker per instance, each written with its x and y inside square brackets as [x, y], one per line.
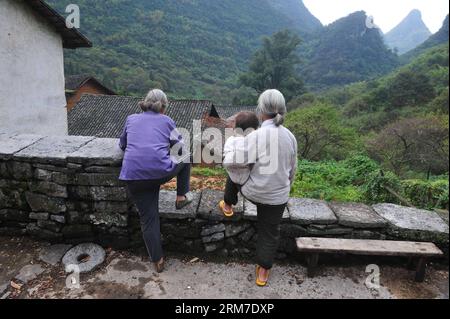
[274, 66]
[321, 134]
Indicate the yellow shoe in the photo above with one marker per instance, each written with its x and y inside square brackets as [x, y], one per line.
[227, 213]
[260, 282]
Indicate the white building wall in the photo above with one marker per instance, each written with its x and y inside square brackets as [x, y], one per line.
[32, 98]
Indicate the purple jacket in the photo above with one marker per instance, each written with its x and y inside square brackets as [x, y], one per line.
[146, 141]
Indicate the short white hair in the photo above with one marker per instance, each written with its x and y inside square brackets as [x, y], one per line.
[273, 104]
[156, 100]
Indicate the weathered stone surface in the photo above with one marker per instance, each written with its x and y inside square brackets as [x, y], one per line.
[310, 211]
[411, 218]
[329, 232]
[444, 216]
[95, 179]
[210, 248]
[167, 208]
[61, 167]
[213, 238]
[247, 235]
[86, 256]
[52, 149]
[29, 272]
[49, 225]
[44, 234]
[58, 218]
[19, 170]
[98, 193]
[103, 170]
[38, 216]
[109, 207]
[52, 255]
[3, 288]
[103, 151]
[212, 229]
[50, 176]
[109, 219]
[77, 231]
[232, 230]
[9, 145]
[251, 212]
[357, 215]
[293, 231]
[48, 188]
[14, 215]
[209, 207]
[43, 203]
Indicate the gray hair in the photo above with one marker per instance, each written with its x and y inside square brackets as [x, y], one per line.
[156, 101]
[273, 103]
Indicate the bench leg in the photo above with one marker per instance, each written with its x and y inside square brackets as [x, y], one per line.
[412, 263]
[312, 260]
[421, 268]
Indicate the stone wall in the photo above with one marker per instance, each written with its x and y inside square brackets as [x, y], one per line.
[66, 189]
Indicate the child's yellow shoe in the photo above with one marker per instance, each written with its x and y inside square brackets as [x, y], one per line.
[227, 213]
[259, 282]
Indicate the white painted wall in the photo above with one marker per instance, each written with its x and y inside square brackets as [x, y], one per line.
[32, 98]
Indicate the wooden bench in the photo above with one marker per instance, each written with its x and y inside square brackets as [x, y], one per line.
[413, 250]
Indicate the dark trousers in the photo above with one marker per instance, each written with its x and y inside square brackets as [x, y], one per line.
[231, 192]
[145, 195]
[269, 220]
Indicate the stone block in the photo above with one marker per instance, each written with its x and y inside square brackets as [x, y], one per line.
[52, 149]
[233, 230]
[52, 255]
[213, 238]
[167, 206]
[14, 215]
[104, 152]
[49, 225]
[48, 188]
[43, 203]
[209, 207]
[77, 231]
[212, 229]
[98, 193]
[9, 145]
[50, 176]
[357, 215]
[310, 211]
[109, 219]
[39, 216]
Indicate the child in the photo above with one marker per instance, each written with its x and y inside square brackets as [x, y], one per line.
[245, 123]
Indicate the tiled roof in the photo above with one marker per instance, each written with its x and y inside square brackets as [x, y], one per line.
[226, 112]
[72, 38]
[74, 82]
[105, 115]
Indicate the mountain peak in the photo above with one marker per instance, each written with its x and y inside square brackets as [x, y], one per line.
[297, 13]
[409, 33]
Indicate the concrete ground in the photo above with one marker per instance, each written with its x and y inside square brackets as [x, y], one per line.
[125, 275]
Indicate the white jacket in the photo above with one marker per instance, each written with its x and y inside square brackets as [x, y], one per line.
[234, 146]
[271, 151]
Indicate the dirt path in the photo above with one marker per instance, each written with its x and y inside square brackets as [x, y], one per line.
[125, 275]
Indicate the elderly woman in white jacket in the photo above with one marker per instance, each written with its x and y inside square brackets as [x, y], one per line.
[271, 153]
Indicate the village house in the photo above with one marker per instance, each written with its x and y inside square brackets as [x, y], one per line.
[77, 85]
[32, 41]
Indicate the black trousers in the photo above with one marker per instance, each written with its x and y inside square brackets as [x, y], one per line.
[269, 220]
[145, 195]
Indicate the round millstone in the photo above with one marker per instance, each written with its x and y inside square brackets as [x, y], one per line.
[86, 257]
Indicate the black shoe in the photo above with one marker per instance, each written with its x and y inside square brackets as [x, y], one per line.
[182, 204]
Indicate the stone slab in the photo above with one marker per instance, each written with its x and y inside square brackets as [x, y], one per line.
[9, 145]
[167, 208]
[305, 211]
[209, 207]
[53, 149]
[104, 151]
[251, 212]
[29, 272]
[411, 218]
[94, 256]
[357, 215]
[52, 255]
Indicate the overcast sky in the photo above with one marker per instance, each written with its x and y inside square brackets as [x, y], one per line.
[387, 13]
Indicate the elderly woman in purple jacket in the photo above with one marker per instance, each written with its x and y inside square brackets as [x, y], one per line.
[147, 140]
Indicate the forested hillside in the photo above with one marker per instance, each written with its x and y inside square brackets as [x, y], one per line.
[190, 48]
[344, 52]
